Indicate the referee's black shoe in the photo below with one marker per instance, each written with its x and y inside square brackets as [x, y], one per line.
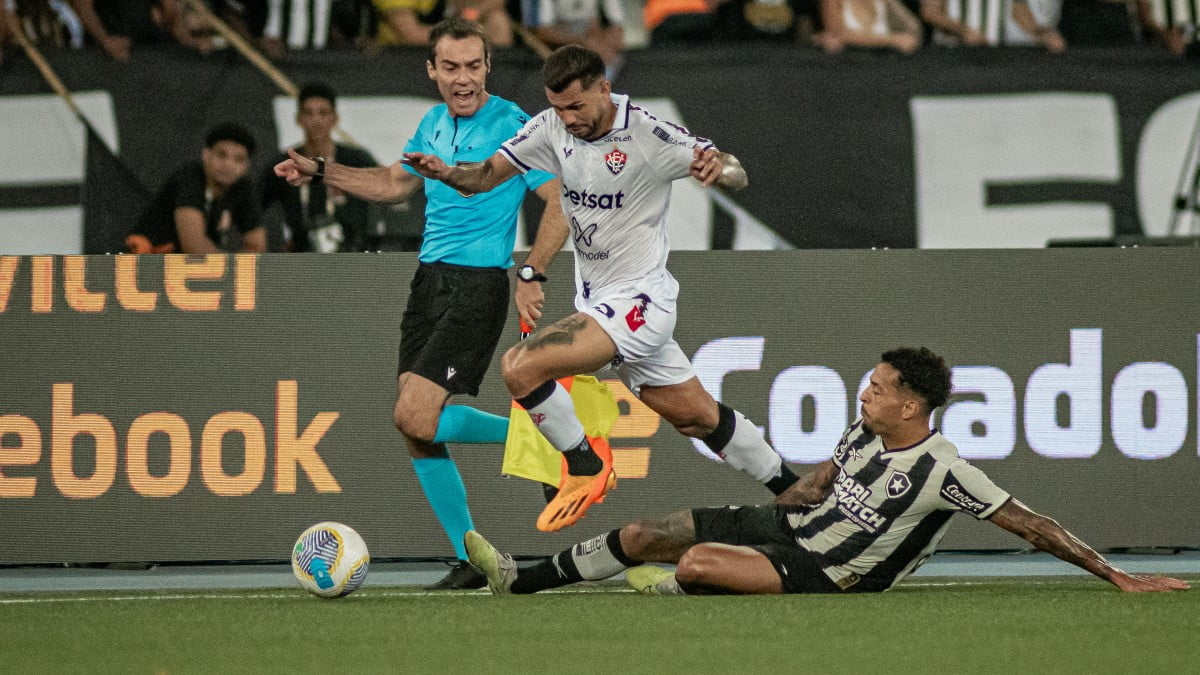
[460, 577]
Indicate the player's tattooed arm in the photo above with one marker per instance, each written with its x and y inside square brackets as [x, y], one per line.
[812, 488]
[469, 178]
[1047, 535]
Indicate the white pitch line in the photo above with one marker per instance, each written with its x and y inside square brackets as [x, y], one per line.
[935, 584]
[365, 594]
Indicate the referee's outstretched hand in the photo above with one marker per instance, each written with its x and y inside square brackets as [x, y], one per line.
[296, 169]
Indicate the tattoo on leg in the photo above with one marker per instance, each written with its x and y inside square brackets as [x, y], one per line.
[561, 333]
[679, 527]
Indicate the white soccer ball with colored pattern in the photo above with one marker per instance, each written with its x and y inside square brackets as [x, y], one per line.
[330, 560]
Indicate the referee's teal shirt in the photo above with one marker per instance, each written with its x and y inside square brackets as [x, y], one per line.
[476, 231]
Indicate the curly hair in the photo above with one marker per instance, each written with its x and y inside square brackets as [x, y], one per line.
[923, 372]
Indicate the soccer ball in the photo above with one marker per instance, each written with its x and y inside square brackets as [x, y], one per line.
[330, 560]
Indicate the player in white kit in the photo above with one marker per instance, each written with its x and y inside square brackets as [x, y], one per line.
[617, 163]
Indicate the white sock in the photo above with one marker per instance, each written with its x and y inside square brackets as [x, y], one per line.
[555, 418]
[594, 559]
[748, 451]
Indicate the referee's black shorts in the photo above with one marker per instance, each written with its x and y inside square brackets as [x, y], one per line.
[763, 529]
[452, 324]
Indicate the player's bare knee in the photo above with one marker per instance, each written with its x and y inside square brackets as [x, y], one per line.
[419, 433]
[518, 376]
[413, 424]
[695, 565]
[508, 363]
[508, 360]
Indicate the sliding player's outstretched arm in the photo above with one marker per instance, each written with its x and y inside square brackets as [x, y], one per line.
[469, 179]
[1049, 536]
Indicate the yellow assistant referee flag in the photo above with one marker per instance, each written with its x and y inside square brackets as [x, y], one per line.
[527, 453]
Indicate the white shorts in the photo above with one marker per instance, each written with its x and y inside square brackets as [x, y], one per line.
[643, 329]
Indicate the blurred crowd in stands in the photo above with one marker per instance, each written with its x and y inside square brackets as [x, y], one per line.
[218, 197]
[119, 27]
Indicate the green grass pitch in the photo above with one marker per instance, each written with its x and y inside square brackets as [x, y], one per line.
[926, 625]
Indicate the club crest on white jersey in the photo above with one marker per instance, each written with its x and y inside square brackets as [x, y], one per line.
[615, 160]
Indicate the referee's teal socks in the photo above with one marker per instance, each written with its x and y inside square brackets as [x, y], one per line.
[439, 476]
[443, 487]
[464, 424]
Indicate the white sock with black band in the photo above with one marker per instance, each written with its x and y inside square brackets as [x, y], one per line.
[597, 558]
[738, 442]
[553, 413]
[600, 557]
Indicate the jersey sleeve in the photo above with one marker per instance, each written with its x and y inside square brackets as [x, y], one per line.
[532, 148]
[671, 150]
[966, 488]
[519, 119]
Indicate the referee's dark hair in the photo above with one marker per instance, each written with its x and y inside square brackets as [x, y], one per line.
[230, 131]
[317, 90]
[569, 63]
[923, 372]
[459, 28]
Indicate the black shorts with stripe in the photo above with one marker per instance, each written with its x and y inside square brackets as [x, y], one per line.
[452, 324]
[765, 529]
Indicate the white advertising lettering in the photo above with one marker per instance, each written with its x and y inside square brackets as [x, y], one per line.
[1059, 409]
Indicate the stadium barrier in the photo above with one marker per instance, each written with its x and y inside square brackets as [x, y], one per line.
[174, 408]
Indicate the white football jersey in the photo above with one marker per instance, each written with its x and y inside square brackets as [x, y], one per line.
[615, 191]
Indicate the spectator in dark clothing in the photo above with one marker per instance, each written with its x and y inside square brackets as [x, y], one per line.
[766, 20]
[208, 205]
[1115, 23]
[147, 22]
[410, 22]
[680, 22]
[319, 218]
[313, 24]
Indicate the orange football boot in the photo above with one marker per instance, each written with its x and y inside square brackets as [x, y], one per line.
[577, 493]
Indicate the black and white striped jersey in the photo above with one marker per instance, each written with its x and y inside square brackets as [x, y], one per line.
[889, 508]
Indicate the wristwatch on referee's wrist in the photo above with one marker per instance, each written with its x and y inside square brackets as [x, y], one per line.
[527, 273]
[320, 174]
